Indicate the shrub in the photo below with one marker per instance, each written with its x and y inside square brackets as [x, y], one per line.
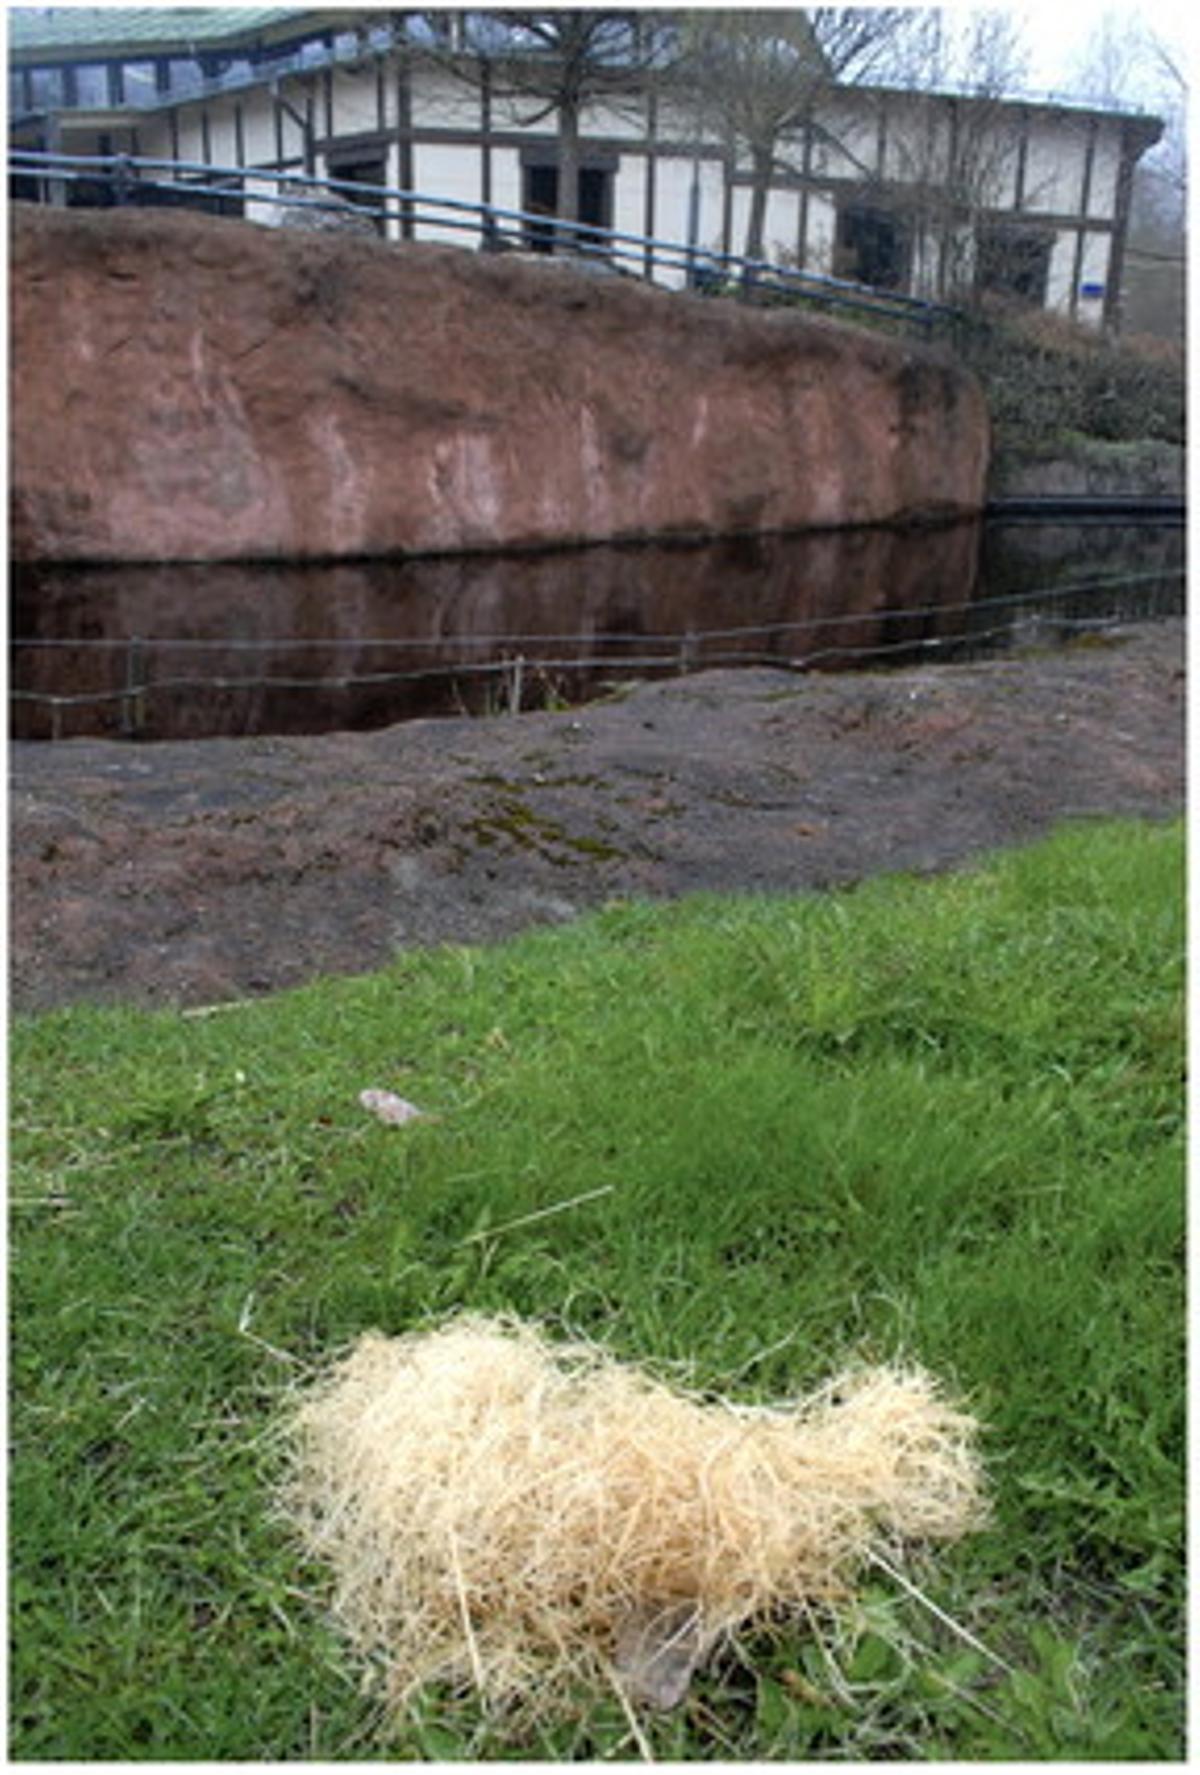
[1044, 375]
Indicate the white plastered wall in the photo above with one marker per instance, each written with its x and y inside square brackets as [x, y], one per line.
[260, 202]
[916, 141]
[923, 277]
[1062, 272]
[222, 130]
[506, 180]
[448, 170]
[820, 233]
[712, 203]
[782, 227]
[355, 101]
[521, 115]
[154, 139]
[438, 100]
[621, 123]
[191, 140]
[672, 206]
[1106, 168]
[1054, 166]
[781, 224]
[292, 137]
[629, 196]
[849, 150]
[1097, 257]
[739, 217]
[992, 165]
[258, 129]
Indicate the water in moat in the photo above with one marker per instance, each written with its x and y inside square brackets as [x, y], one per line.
[189, 652]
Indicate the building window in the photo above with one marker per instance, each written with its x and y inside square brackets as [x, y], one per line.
[91, 86]
[223, 70]
[138, 83]
[184, 75]
[1014, 262]
[873, 247]
[540, 198]
[46, 88]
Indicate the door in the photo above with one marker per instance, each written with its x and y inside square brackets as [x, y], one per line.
[540, 198]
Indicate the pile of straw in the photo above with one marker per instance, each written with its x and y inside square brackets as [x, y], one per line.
[516, 1515]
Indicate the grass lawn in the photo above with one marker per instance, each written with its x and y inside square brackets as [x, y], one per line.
[940, 1119]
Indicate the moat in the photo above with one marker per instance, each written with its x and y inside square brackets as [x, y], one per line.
[180, 652]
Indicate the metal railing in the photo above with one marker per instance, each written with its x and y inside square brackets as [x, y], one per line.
[123, 179]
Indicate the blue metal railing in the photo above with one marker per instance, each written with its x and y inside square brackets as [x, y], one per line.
[127, 179]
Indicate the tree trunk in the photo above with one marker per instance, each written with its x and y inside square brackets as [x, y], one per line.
[567, 207]
[763, 164]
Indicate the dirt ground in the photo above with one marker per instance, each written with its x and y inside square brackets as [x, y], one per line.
[190, 873]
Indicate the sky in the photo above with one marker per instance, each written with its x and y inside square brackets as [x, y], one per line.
[1058, 35]
[1055, 34]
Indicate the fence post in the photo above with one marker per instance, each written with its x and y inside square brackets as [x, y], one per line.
[515, 684]
[124, 179]
[132, 706]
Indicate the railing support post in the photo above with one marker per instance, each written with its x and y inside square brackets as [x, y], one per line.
[124, 180]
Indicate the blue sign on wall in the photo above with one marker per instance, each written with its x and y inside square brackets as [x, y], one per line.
[1096, 290]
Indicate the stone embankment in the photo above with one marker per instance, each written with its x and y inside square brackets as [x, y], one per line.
[1093, 468]
[193, 388]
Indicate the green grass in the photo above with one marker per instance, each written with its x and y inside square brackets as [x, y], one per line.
[938, 1118]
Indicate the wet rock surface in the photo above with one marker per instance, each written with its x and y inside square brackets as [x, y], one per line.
[190, 872]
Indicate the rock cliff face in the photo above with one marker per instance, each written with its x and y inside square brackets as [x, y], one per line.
[188, 388]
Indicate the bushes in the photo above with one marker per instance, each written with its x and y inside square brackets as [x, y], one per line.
[1044, 376]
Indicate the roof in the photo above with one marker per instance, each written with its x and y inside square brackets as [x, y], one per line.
[80, 33]
[1137, 117]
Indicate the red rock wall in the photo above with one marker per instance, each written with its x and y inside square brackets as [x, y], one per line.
[186, 388]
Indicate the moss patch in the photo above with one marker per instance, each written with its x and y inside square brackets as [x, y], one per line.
[513, 820]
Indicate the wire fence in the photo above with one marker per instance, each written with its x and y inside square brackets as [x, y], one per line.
[265, 195]
[516, 671]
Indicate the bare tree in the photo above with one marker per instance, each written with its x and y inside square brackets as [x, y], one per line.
[757, 78]
[1124, 62]
[552, 65]
[955, 164]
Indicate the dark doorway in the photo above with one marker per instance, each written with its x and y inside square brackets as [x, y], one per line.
[872, 247]
[540, 198]
[367, 173]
